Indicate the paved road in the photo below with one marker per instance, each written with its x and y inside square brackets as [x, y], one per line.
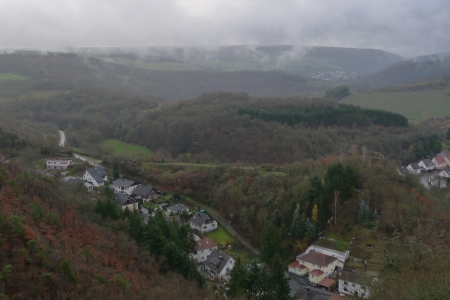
[231, 230]
[63, 138]
[300, 289]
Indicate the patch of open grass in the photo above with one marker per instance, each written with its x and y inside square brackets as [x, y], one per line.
[43, 94]
[127, 149]
[220, 236]
[11, 76]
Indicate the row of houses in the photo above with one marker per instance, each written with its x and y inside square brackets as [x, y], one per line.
[440, 162]
[324, 268]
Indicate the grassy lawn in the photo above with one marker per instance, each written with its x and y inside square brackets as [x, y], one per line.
[150, 206]
[126, 149]
[11, 76]
[415, 105]
[220, 236]
[39, 164]
[43, 94]
[6, 99]
[335, 244]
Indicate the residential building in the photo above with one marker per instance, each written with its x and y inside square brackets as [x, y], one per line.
[144, 192]
[351, 283]
[57, 163]
[97, 176]
[439, 162]
[437, 180]
[124, 202]
[177, 208]
[124, 186]
[414, 168]
[204, 248]
[75, 181]
[445, 173]
[202, 223]
[426, 164]
[317, 265]
[219, 264]
[341, 256]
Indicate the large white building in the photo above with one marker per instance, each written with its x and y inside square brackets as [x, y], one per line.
[57, 163]
[204, 248]
[97, 176]
[202, 223]
[124, 186]
[219, 264]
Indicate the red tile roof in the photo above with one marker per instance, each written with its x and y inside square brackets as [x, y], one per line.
[327, 282]
[316, 272]
[440, 160]
[317, 258]
[205, 243]
[446, 152]
[296, 264]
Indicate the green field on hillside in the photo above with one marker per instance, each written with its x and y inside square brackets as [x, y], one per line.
[126, 149]
[11, 76]
[42, 94]
[415, 105]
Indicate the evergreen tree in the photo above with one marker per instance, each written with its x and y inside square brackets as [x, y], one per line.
[364, 213]
[272, 245]
[297, 227]
[310, 230]
[258, 284]
[237, 284]
[116, 173]
[279, 282]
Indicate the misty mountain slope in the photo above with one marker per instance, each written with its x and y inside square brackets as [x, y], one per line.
[293, 59]
[59, 71]
[412, 70]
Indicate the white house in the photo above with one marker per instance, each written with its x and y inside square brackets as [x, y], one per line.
[426, 164]
[144, 192]
[437, 180]
[414, 168]
[341, 256]
[219, 264]
[177, 208]
[58, 163]
[317, 265]
[440, 162]
[351, 283]
[445, 173]
[97, 176]
[203, 223]
[124, 202]
[204, 248]
[124, 186]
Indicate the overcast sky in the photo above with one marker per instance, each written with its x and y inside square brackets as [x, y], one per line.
[405, 27]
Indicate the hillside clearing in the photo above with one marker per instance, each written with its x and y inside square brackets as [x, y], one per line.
[415, 105]
[11, 76]
[127, 149]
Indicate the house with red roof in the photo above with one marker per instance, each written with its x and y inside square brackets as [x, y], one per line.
[440, 162]
[204, 248]
[317, 265]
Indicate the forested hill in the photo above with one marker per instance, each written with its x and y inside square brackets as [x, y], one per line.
[210, 127]
[412, 70]
[62, 71]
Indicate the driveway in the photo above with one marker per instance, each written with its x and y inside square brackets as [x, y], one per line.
[62, 138]
[301, 290]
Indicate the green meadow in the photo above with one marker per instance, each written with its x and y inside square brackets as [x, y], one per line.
[417, 106]
[11, 76]
[127, 149]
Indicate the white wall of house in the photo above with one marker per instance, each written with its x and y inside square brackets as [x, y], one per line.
[58, 164]
[122, 190]
[131, 206]
[226, 270]
[205, 227]
[88, 177]
[202, 255]
[411, 170]
[423, 165]
[351, 288]
[444, 174]
[437, 165]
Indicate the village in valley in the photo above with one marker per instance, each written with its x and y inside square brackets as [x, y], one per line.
[317, 273]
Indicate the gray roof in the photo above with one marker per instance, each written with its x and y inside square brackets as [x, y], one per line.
[217, 260]
[76, 181]
[177, 207]
[428, 162]
[125, 183]
[122, 200]
[415, 166]
[200, 218]
[143, 190]
[97, 173]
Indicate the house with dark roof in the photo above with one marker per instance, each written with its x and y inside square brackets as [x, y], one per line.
[218, 264]
[445, 173]
[426, 164]
[97, 176]
[204, 248]
[414, 168]
[124, 201]
[351, 283]
[124, 186]
[437, 180]
[317, 265]
[144, 192]
[202, 223]
[177, 208]
[75, 181]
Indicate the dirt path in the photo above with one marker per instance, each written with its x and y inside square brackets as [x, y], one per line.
[63, 138]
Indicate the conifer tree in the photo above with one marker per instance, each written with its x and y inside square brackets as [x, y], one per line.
[297, 226]
[279, 282]
[237, 284]
[272, 245]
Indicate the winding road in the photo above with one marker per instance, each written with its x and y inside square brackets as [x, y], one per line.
[63, 138]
